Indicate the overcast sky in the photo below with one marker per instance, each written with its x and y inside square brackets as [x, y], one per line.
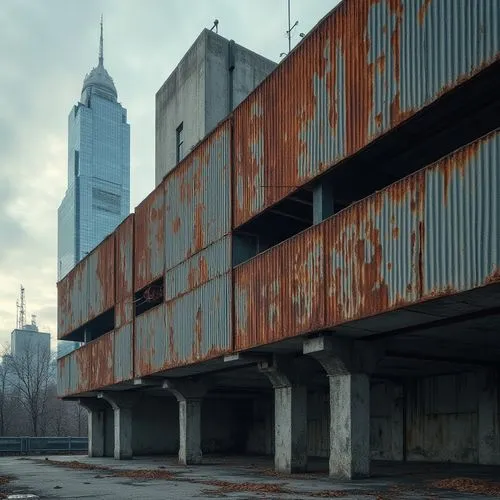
[46, 48]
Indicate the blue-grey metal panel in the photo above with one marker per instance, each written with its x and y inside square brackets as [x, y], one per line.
[462, 219]
[197, 198]
[150, 342]
[199, 322]
[122, 356]
[211, 262]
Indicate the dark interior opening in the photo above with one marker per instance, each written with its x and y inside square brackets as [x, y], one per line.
[150, 296]
[95, 328]
[457, 118]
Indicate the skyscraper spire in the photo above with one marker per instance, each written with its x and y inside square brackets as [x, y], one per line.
[101, 55]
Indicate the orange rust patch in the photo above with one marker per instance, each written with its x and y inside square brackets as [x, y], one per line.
[197, 341]
[395, 233]
[423, 11]
[176, 225]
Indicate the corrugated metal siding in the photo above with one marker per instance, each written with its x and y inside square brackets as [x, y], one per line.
[150, 341]
[367, 67]
[206, 265]
[372, 254]
[101, 278]
[433, 233]
[81, 369]
[199, 323]
[281, 292]
[124, 263]
[197, 198]
[88, 290]
[101, 354]
[149, 238]
[461, 247]
[63, 375]
[123, 368]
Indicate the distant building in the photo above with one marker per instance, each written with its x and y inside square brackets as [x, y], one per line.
[98, 195]
[213, 77]
[29, 342]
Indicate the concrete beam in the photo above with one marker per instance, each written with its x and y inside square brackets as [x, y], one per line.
[290, 415]
[122, 404]
[189, 395]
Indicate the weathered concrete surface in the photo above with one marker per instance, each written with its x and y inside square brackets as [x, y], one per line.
[349, 425]
[96, 410]
[234, 477]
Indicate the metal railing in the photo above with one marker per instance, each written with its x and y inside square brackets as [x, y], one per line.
[39, 445]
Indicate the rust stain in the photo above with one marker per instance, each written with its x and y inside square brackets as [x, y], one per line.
[380, 62]
[395, 233]
[176, 225]
[198, 335]
[422, 11]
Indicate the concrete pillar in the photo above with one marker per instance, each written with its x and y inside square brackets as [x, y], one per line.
[122, 404]
[349, 425]
[190, 397]
[95, 422]
[488, 418]
[323, 201]
[348, 366]
[290, 416]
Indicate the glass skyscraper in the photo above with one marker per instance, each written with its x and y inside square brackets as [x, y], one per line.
[98, 195]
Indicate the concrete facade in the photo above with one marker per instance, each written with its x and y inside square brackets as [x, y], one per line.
[212, 78]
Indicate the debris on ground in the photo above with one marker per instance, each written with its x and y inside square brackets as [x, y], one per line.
[110, 471]
[228, 487]
[469, 485]
[3, 481]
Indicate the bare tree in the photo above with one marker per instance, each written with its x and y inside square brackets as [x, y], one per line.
[4, 371]
[30, 376]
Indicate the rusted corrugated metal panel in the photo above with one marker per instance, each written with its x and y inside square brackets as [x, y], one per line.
[150, 341]
[208, 264]
[149, 238]
[281, 292]
[461, 236]
[81, 370]
[436, 232]
[197, 198]
[373, 253]
[123, 353]
[199, 323]
[71, 297]
[124, 264]
[101, 278]
[101, 353]
[63, 375]
[367, 67]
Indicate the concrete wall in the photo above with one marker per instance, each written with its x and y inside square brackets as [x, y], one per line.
[109, 433]
[454, 418]
[197, 94]
[155, 427]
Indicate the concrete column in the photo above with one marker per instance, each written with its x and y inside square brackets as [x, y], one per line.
[348, 366]
[488, 418]
[95, 423]
[122, 411]
[349, 425]
[290, 416]
[190, 397]
[323, 201]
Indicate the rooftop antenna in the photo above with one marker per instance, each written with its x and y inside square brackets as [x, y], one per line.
[17, 314]
[215, 26]
[101, 51]
[289, 32]
[22, 309]
[33, 320]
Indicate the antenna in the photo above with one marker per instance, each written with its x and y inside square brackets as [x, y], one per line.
[33, 319]
[22, 309]
[215, 26]
[17, 314]
[289, 32]
[101, 51]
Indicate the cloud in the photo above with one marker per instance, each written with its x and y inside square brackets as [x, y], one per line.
[46, 48]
